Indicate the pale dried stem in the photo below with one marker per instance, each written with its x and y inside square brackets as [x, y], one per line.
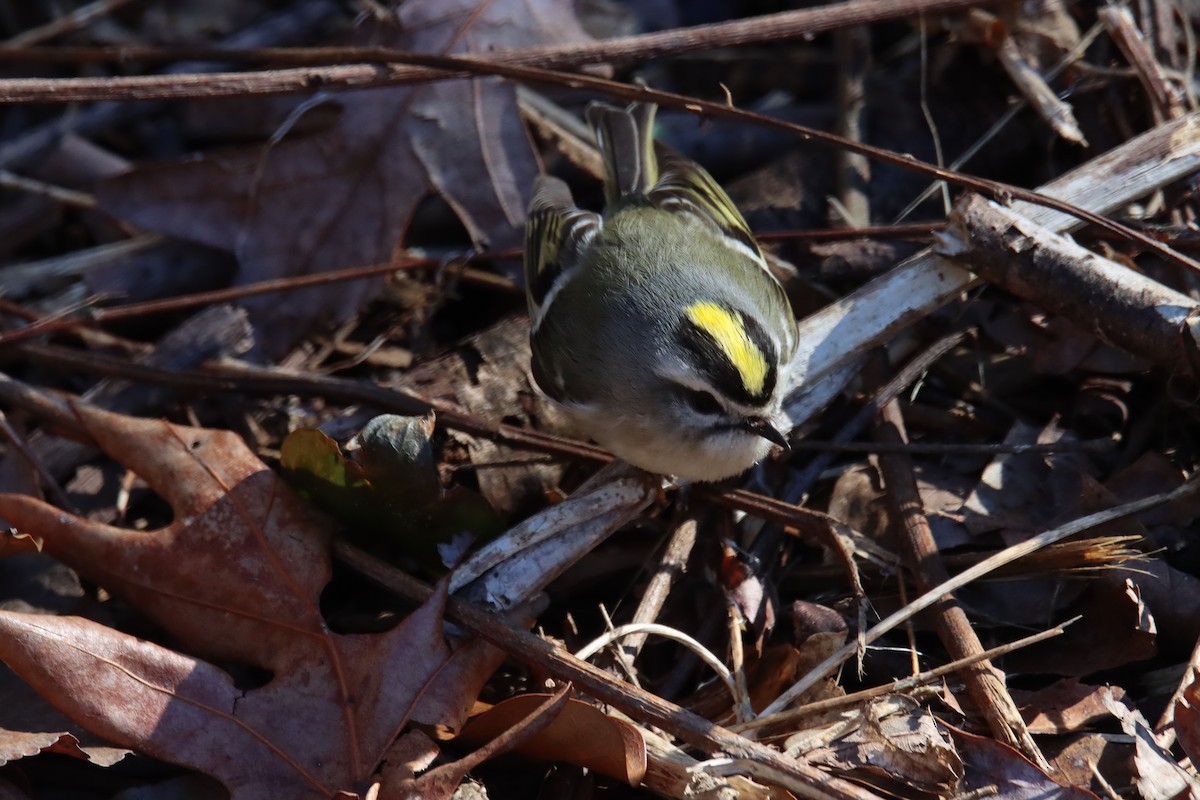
[644, 629]
[793, 716]
[510, 570]
[1165, 732]
[1030, 82]
[1006, 556]
[68, 197]
[77, 20]
[671, 772]
[670, 566]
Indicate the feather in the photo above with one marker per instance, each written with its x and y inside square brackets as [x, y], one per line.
[556, 232]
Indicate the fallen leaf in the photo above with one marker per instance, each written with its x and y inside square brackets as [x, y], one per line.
[894, 740]
[1063, 348]
[293, 737]
[236, 576]
[1187, 718]
[343, 196]
[858, 500]
[411, 753]
[488, 375]
[1065, 706]
[1172, 596]
[1153, 473]
[388, 495]
[581, 734]
[162, 703]
[1005, 774]
[1158, 776]
[396, 450]
[1116, 629]
[1075, 757]
[441, 782]
[743, 584]
[769, 674]
[29, 725]
[1025, 491]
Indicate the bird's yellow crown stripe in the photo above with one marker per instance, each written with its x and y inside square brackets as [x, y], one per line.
[729, 332]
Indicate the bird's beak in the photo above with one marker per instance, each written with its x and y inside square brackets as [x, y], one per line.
[760, 426]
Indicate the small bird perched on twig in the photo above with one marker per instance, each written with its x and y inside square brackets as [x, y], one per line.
[657, 324]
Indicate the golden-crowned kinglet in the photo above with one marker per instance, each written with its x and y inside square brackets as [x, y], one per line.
[657, 324]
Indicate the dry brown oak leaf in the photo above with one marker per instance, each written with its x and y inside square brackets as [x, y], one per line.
[344, 196]
[237, 576]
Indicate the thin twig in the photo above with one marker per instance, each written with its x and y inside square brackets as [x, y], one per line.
[640, 705]
[956, 449]
[782, 26]
[1079, 557]
[231, 294]
[68, 197]
[1006, 556]
[800, 483]
[643, 629]
[854, 170]
[872, 315]
[77, 20]
[1056, 112]
[29, 90]
[1166, 101]
[898, 686]
[1007, 117]
[249, 380]
[935, 136]
[742, 710]
[21, 447]
[297, 22]
[246, 379]
[670, 566]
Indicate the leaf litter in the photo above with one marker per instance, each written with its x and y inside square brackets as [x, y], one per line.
[201, 632]
[237, 576]
[345, 196]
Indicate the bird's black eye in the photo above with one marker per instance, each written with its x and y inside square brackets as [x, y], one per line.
[702, 402]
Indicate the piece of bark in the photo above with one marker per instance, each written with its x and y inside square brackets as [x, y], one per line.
[1118, 305]
[1166, 101]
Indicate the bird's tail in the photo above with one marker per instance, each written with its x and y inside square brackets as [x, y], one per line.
[626, 140]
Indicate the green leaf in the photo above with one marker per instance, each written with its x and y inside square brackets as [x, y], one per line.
[388, 496]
